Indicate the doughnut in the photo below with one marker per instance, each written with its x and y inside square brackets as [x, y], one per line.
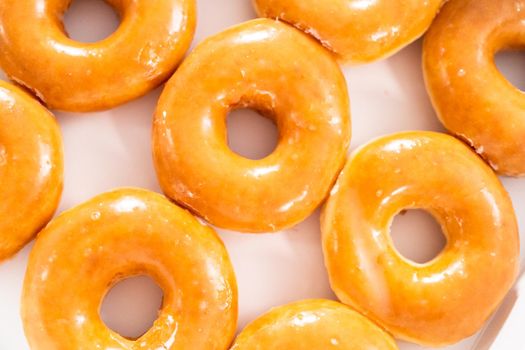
[450, 297]
[314, 325]
[356, 31]
[473, 100]
[128, 232]
[36, 52]
[31, 168]
[286, 76]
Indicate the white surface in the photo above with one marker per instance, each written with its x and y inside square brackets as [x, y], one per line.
[112, 149]
[508, 322]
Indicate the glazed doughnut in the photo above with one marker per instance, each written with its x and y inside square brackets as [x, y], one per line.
[471, 97]
[31, 168]
[36, 52]
[128, 232]
[281, 72]
[356, 31]
[450, 297]
[314, 325]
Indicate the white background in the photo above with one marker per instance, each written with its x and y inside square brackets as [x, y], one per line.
[112, 149]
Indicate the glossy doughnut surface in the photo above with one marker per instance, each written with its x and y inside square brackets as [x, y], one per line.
[357, 31]
[31, 168]
[472, 98]
[86, 250]
[36, 52]
[313, 325]
[450, 297]
[275, 69]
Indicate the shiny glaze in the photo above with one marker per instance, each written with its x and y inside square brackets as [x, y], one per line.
[86, 250]
[450, 297]
[357, 31]
[31, 168]
[471, 97]
[273, 68]
[313, 325]
[36, 52]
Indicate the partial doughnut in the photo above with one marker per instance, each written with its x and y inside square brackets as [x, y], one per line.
[86, 250]
[31, 168]
[36, 52]
[450, 297]
[313, 325]
[281, 72]
[473, 100]
[356, 31]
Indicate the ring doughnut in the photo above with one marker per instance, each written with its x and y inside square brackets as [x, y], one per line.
[31, 168]
[472, 98]
[281, 72]
[450, 297]
[36, 52]
[356, 31]
[128, 232]
[314, 325]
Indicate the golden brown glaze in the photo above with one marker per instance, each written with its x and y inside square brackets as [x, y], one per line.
[450, 297]
[276, 69]
[31, 168]
[86, 250]
[313, 325]
[471, 97]
[36, 52]
[357, 31]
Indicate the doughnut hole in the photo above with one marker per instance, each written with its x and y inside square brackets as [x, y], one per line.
[510, 65]
[90, 21]
[250, 134]
[131, 306]
[417, 236]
